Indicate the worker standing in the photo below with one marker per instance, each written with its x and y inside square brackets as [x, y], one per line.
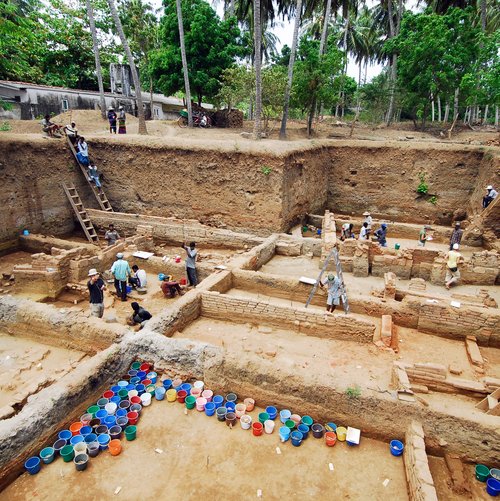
[456, 235]
[96, 288]
[453, 259]
[334, 288]
[363, 233]
[368, 221]
[121, 272]
[381, 235]
[191, 254]
[111, 235]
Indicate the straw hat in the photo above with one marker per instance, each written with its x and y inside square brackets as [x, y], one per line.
[489, 187]
[93, 272]
[366, 213]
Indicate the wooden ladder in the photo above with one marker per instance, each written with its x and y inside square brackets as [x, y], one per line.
[81, 213]
[101, 197]
[335, 254]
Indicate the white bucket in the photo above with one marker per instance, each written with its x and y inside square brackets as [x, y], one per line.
[80, 448]
[240, 410]
[246, 421]
[132, 393]
[146, 399]
[199, 384]
[269, 426]
[200, 404]
[110, 408]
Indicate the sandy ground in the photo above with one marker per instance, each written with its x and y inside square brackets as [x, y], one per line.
[203, 459]
[206, 255]
[23, 362]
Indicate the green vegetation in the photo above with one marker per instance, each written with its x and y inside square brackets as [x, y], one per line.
[422, 188]
[266, 170]
[5, 127]
[353, 391]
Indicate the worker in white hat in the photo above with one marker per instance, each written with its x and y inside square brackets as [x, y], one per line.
[96, 288]
[121, 272]
[369, 221]
[112, 116]
[491, 194]
[453, 259]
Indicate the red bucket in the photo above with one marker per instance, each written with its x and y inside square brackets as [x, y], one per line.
[257, 429]
[108, 394]
[181, 395]
[182, 281]
[145, 367]
[135, 400]
[133, 417]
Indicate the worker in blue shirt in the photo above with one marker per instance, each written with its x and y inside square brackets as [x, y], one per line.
[121, 272]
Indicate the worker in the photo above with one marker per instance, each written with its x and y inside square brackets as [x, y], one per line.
[456, 235]
[363, 233]
[49, 127]
[368, 221]
[121, 272]
[422, 236]
[72, 132]
[191, 254]
[96, 288]
[83, 151]
[381, 235]
[334, 289]
[139, 315]
[138, 279]
[491, 194]
[94, 176]
[112, 120]
[347, 232]
[169, 286]
[453, 259]
[122, 128]
[111, 235]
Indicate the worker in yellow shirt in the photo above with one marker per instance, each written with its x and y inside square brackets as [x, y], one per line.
[453, 259]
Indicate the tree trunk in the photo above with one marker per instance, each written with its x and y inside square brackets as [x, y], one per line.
[483, 15]
[366, 72]
[184, 63]
[98, 69]
[432, 110]
[446, 112]
[455, 103]
[439, 108]
[324, 32]
[231, 8]
[151, 97]
[485, 117]
[496, 117]
[311, 116]
[393, 32]
[290, 69]
[257, 34]
[133, 69]
[466, 115]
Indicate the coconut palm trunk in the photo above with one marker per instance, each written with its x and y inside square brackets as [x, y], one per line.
[98, 69]
[133, 69]
[257, 34]
[184, 63]
[290, 69]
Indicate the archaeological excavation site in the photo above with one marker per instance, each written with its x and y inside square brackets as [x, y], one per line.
[312, 331]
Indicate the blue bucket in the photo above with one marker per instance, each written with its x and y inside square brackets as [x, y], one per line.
[110, 421]
[103, 441]
[135, 380]
[101, 414]
[493, 486]
[102, 403]
[47, 455]
[330, 427]
[230, 406]
[59, 444]
[160, 393]
[76, 439]
[85, 430]
[121, 412]
[218, 400]
[284, 433]
[130, 387]
[65, 435]
[115, 389]
[129, 289]
[91, 437]
[141, 375]
[26, 233]
[122, 421]
[140, 388]
[152, 376]
[231, 397]
[132, 372]
[272, 411]
[296, 437]
[186, 387]
[167, 384]
[33, 465]
[304, 429]
[285, 415]
[209, 408]
[396, 447]
[116, 399]
[122, 384]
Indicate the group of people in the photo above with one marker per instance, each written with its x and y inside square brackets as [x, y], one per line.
[380, 235]
[120, 117]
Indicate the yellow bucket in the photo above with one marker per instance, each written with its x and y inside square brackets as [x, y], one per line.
[171, 395]
[341, 433]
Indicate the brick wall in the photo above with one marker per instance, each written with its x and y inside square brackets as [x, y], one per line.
[259, 255]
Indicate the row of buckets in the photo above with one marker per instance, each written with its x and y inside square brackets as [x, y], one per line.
[116, 413]
[490, 477]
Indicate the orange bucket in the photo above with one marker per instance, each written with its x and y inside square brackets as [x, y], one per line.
[330, 438]
[75, 428]
[115, 447]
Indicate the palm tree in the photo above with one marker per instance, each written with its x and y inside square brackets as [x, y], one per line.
[290, 69]
[258, 66]
[184, 63]
[133, 69]
[98, 69]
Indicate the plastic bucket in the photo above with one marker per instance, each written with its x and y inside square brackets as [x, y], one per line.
[196, 392]
[482, 472]
[101, 414]
[85, 430]
[67, 453]
[257, 429]
[123, 394]
[93, 449]
[136, 408]
[135, 366]
[493, 486]
[304, 429]
[145, 367]
[103, 441]
[307, 420]
[101, 429]
[121, 413]
[218, 400]
[133, 393]
[146, 382]
[296, 437]
[246, 422]
[231, 407]
[263, 417]
[103, 401]
[269, 426]
[58, 445]
[190, 402]
[110, 421]
[186, 387]
[65, 435]
[141, 375]
[108, 394]
[151, 388]
[495, 473]
[95, 422]
[290, 424]
[115, 400]
[230, 419]
[85, 419]
[124, 404]
[91, 437]
[317, 430]
[111, 408]
[167, 384]
[341, 433]
[123, 382]
[115, 432]
[200, 404]
[330, 438]
[122, 421]
[231, 397]
[176, 382]
[146, 399]
[295, 418]
[284, 433]
[130, 432]
[199, 385]
[115, 447]
[132, 372]
[140, 388]
[181, 396]
[152, 376]
[250, 403]
[397, 246]
[135, 400]
[240, 410]
[135, 380]
[285, 415]
[171, 395]
[330, 427]
[33, 465]
[396, 447]
[221, 413]
[272, 411]
[81, 461]
[47, 455]
[115, 389]
[80, 448]
[133, 417]
[76, 439]
[160, 393]
[93, 409]
[207, 395]
[75, 428]
[209, 408]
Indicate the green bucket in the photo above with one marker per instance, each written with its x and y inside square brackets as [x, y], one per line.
[123, 394]
[67, 453]
[482, 472]
[397, 246]
[93, 409]
[136, 366]
[290, 423]
[151, 389]
[190, 402]
[130, 432]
